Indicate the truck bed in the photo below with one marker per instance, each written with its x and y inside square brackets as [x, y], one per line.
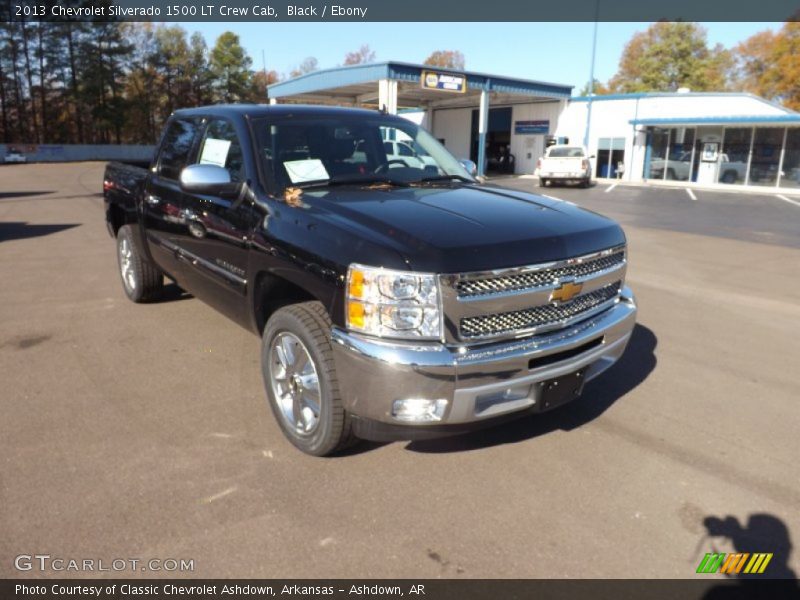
[122, 185]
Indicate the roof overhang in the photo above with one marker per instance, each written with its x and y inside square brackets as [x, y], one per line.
[357, 85]
[763, 120]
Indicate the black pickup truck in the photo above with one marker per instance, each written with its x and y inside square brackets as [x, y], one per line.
[396, 298]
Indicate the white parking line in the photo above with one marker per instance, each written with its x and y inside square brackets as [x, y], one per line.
[785, 199]
[691, 194]
[608, 189]
[554, 198]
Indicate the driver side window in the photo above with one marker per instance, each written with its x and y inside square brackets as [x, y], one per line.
[220, 146]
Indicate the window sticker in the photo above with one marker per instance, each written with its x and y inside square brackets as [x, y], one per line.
[215, 152]
[310, 169]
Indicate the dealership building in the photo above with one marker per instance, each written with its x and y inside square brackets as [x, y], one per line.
[717, 139]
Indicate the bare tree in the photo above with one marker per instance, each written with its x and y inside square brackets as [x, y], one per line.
[449, 59]
[361, 56]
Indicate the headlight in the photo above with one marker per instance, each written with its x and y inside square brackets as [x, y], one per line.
[397, 304]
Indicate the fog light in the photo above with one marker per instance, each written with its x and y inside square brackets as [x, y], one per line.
[419, 410]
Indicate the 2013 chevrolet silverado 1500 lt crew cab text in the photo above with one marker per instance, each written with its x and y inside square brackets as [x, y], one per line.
[394, 300]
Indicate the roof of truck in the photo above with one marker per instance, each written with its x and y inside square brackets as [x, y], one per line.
[263, 110]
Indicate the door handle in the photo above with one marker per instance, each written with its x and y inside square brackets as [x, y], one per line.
[152, 200]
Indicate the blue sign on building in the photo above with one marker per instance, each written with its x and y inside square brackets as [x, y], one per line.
[531, 127]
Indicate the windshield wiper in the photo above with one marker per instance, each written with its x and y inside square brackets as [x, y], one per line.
[445, 178]
[374, 180]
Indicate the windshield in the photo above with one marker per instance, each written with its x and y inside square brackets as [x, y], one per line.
[305, 150]
[566, 152]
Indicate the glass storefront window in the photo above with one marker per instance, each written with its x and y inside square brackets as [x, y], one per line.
[735, 150]
[790, 173]
[679, 159]
[659, 139]
[766, 156]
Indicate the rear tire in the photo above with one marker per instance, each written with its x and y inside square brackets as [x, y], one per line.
[300, 380]
[542, 182]
[141, 279]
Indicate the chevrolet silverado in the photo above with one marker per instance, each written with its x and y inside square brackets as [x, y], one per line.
[394, 299]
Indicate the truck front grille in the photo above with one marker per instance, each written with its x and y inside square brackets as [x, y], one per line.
[532, 279]
[538, 316]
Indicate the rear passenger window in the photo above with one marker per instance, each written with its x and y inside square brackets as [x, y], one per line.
[177, 146]
[221, 147]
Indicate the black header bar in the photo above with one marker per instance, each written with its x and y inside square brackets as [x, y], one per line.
[405, 11]
[702, 588]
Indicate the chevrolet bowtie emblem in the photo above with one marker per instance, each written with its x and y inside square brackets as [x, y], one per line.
[566, 292]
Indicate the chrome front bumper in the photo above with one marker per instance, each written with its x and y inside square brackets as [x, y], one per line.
[478, 382]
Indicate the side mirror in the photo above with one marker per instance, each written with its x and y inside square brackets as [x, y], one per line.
[208, 179]
[592, 156]
[470, 166]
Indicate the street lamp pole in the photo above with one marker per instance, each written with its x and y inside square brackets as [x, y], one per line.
[591, 78]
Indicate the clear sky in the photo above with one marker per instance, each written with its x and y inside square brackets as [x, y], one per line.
[553, 52]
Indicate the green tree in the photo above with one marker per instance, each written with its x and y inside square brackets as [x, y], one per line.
[171, 59]
[230, 66]
[101, 62]
[668, 56]
[145, 114]
[200, 77]
[449, 59]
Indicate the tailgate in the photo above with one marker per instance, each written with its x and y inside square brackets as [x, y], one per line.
[561, 165]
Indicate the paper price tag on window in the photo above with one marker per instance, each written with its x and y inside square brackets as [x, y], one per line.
[310, 169]
[215, 152]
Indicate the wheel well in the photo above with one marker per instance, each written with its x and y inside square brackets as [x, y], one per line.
[273, 292]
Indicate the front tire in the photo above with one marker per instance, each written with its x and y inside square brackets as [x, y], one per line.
[141, 279]
[542, 182]
[300, 379]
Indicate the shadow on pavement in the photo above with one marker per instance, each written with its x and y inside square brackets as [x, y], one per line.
[172, 293]
[7, 195]
[20, 230]
[763, 533]
[632, 369]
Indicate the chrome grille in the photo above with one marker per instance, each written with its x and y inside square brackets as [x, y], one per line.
[537, 316]
[536, 278]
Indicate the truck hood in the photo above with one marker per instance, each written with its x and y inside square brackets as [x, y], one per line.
[463, 228]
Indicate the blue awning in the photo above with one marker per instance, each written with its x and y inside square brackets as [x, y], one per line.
[727, 120]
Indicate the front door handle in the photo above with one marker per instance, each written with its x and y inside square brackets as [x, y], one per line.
[152, 200]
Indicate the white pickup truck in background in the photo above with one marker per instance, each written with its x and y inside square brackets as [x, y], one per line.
[564, 164]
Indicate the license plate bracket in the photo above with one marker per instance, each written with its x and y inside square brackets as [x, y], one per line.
[560, 390]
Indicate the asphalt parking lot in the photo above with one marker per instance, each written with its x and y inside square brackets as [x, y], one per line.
[143, 430]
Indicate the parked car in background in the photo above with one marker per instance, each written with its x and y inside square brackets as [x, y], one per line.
[731, 171]
[564, 164]
[404, 154]
[15, 157]
[678, 168]
[393, 301]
